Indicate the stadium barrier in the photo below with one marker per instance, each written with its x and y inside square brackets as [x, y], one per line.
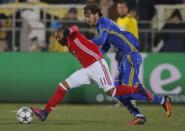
[33, 77]
[17, 29]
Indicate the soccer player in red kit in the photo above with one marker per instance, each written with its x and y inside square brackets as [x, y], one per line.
[94, 68]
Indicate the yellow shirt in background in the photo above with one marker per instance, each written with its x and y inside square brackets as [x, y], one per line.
[129, 23]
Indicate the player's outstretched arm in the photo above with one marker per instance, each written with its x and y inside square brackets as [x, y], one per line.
[101, 39]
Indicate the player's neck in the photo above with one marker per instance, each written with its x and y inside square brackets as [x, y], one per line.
[96, 20]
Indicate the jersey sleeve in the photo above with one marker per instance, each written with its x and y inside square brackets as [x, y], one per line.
[100, 40]
[103, 33]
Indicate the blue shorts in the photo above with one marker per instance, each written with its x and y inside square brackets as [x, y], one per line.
[128, 69]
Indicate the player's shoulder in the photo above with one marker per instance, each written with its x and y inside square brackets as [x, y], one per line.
[104, 19]
[104, 22]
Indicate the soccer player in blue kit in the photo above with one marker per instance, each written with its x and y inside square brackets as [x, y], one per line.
[127, 45]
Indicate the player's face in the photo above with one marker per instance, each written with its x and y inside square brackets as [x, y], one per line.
[122, 9]
[59, 35]
[90, 18]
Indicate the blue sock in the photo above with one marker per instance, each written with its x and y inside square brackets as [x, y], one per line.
[158, 99]
[125, 100]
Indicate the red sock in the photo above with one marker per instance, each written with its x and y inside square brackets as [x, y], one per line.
[126, 90]
[56, 98]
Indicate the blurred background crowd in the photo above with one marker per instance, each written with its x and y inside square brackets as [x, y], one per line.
[28, 25]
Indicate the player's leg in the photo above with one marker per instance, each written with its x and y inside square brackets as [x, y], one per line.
[157, 99]
[53, 101]
[127, 103]
[135, 61]
[138, 117]
[58, 96]
[77, 79]
[128, 72]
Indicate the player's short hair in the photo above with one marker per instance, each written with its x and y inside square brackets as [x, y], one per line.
[65, 30]
[94, 8]
[122, 2]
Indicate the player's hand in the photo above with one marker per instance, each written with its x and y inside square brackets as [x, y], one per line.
[74, 28]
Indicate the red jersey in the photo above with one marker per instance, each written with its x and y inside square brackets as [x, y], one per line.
[82, 48]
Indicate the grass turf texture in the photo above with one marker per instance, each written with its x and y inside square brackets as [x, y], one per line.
[94, 118]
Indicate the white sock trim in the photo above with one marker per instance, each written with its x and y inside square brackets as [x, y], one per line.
[163, 100]
[139, 115]
[60, 84]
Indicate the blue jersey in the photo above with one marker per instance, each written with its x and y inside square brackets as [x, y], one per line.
[110, 33]
[127, 44]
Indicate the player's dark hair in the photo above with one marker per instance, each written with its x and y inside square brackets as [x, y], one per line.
[130, 7]
[122, 2]
[94, 8]
[66, 32]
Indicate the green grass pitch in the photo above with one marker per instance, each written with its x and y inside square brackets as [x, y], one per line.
[94, 118]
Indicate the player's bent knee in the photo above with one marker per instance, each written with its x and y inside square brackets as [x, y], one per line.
[64, 85]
